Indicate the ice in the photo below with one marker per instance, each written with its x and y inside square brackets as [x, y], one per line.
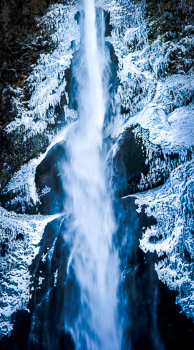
[171, 238]
[20, 237]
[47, 82]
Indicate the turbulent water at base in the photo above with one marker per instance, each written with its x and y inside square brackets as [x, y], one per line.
[93, 257]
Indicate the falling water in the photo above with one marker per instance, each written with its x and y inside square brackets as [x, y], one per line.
[93, 257]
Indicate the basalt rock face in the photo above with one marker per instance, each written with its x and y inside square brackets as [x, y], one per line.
[23, 40]
[21, 46]
[150, 131]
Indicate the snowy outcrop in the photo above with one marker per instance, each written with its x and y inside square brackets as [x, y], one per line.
[19, 244]
[172, 237]
[155, 93]
[38, 103]
[47, 82]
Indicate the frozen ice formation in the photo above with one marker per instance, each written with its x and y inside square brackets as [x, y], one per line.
[172, 237]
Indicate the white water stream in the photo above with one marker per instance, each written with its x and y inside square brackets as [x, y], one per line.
[93, 257]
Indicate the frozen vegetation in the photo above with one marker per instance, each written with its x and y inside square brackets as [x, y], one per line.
[161, 104]
[21, 234]
[20, 238]
[47, 83]
[172, 237]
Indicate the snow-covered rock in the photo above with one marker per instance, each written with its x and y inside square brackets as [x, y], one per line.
[172, 237]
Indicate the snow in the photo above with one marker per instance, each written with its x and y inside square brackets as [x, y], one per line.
[46, 85]
[47, 82]
[171, 237]
[22, 183]
[157, 102]
[160, 103]
[173, 132]
[14, 265]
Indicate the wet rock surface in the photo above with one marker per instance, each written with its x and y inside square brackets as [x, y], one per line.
[48, 181]
[49, 287]
[153, 320]
[139, 165]
[42, 326]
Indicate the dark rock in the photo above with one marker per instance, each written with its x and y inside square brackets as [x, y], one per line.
[48, 181]
[3, 248]
[107, 23]
[133, 171]
[50, 312]
[72, 86]
[16, 151]
[20, 236]
[77, 17]
[16, 201]
[168, 15]
[150, 317]
[9, 75]
[129, 163]
[19, 337]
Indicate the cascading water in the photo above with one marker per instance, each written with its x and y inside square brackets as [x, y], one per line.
[93, 257]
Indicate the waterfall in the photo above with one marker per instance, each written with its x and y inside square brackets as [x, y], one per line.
[93, 257]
